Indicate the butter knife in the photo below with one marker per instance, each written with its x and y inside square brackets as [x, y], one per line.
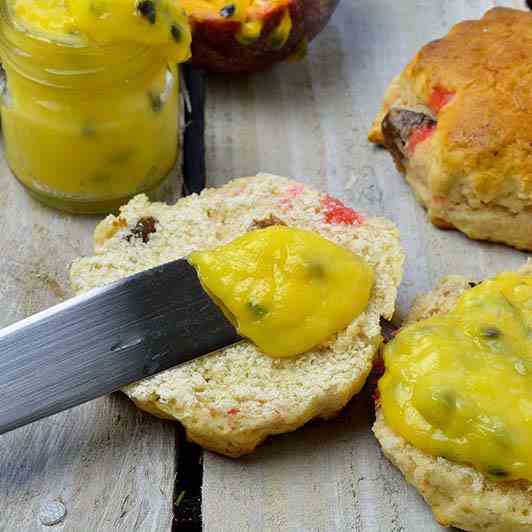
[100, 341]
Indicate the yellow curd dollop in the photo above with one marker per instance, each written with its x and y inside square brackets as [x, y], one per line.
[460, 385]
[287, 290]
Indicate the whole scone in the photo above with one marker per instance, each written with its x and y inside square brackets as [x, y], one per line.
[458, 123]
[232, 400]
[459, 495]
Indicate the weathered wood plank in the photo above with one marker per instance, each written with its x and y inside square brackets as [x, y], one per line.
[310, 121]
[110, 465]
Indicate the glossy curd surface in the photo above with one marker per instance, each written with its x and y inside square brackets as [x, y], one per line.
[287, 290]
[159, 23]
[90, 111]
[460, 385]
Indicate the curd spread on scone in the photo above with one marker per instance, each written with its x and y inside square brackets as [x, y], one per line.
[90, 110]
[459, 385]
[287, 290]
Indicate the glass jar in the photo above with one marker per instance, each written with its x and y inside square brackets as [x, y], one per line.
[86, 127]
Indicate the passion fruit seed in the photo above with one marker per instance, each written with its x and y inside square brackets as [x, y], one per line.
[447, 399]
[175, 30]
[156, 102]
[491, 332]
[146, 8]
[100, 177]
[257, 310]
[228, 11]
[88, 130]
[316, 269]
[120, 157]
[497, 472]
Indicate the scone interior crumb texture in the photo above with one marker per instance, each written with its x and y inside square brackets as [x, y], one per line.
[232, 400]
[459, 495]
[458, 121]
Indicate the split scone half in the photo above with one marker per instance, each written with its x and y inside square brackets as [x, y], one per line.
[459, 495]
[458, 123]
[232, 400]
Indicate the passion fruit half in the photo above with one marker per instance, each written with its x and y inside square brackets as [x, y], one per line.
[251, 35]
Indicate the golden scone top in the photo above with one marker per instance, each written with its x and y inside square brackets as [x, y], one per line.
[286, 289]
[458, 123]
[459, 385]
[485, 129]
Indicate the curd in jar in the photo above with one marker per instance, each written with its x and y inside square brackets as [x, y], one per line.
[90, 105]
[287, 290]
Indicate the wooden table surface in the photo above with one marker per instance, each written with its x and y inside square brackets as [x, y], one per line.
[112, 467]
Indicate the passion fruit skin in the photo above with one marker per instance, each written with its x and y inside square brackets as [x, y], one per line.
[216, 48]
[316, 14]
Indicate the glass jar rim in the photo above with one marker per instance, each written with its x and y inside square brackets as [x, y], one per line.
[19, 48]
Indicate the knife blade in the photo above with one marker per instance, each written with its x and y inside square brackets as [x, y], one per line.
[100, 341]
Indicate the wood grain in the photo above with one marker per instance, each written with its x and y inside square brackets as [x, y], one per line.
[109, 464]
[310, 121]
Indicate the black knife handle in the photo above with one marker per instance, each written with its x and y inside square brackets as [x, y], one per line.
[194, 134]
